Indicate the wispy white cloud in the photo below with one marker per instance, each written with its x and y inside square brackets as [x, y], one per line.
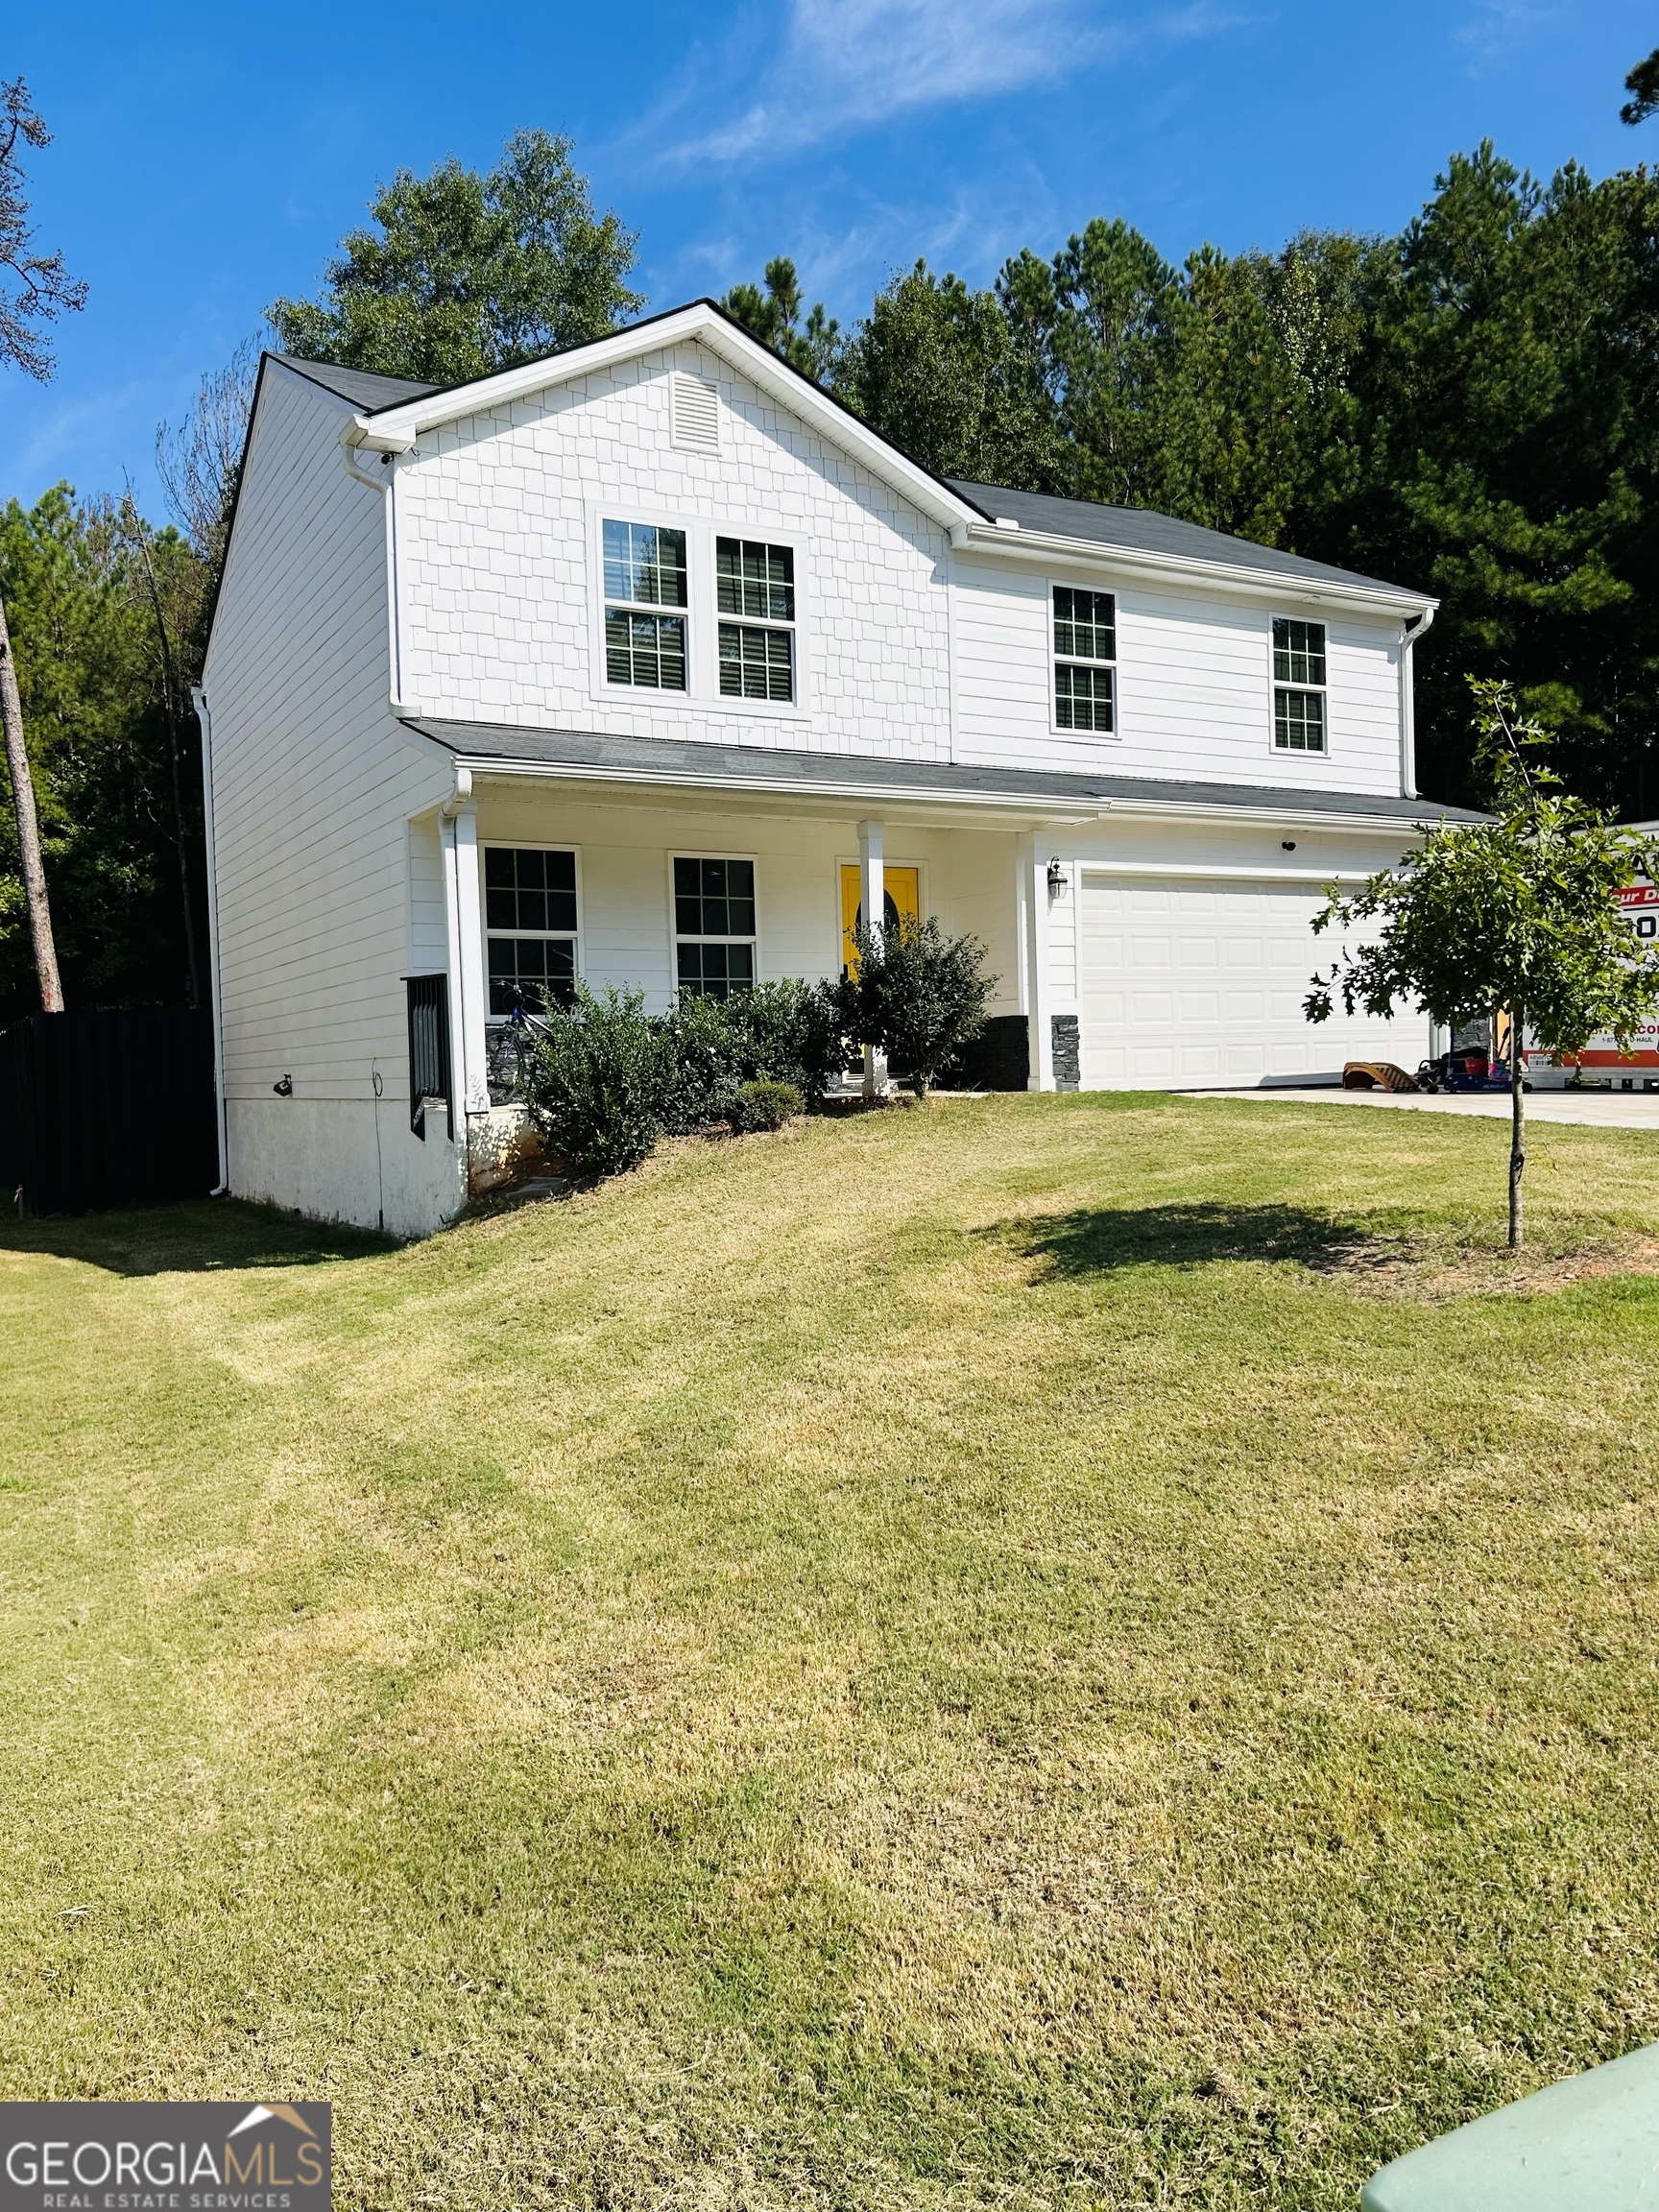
[847, 246]
[842, 65]
[851, 62]
[1497, 31]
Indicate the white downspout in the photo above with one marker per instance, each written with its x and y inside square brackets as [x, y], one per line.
[384, 480]
[1409, 635]
[205, 719]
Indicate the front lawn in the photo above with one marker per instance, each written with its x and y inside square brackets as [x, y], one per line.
[1032, 1652]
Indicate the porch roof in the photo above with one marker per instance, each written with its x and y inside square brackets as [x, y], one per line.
[591, 755]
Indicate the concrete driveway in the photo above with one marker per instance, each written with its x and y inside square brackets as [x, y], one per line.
[1604, 1109]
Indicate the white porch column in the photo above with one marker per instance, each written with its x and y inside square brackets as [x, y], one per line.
[1039, 994]
[873, 903]
[466, 947]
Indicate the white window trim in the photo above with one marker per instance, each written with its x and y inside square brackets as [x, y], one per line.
[675, 940]
[702, 615]
[488, 845]
[1056, 728]
[1286, 752]
[758, 621]
[660, 520]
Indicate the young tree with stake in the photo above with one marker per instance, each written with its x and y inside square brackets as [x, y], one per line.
[1516, 915]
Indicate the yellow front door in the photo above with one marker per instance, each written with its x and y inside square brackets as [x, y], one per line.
[903, 900]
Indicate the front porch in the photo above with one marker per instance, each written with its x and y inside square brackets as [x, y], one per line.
[522, 883]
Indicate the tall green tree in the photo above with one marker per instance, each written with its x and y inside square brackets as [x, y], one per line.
[773, 314]
[93, 693]
[465, 274]
[35, 289]
[937, 368]
[1214, 392]
[1099, 321]
[1508, 424]
[1643, 86]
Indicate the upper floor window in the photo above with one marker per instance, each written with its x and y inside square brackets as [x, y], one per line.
[644, 570]
[530, 927]
[755, 583]
[1085, 657]
[713, 926]
[1298, 685]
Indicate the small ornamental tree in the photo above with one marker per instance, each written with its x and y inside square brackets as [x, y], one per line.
[919, 994]
[1517, 914]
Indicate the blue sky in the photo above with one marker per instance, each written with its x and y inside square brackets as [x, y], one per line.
[206, 158]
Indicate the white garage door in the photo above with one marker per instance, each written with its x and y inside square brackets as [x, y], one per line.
[1187, 982]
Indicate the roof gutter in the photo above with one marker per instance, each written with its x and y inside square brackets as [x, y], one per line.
[1008, 540]
[1095, 808]
[1081, 809]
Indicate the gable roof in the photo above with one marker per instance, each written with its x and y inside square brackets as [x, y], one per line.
[1138, 530]
[969, 511]
[396, 427]
[360, 386]
[393, 411]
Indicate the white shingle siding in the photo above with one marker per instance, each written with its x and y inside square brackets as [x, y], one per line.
[496, 541]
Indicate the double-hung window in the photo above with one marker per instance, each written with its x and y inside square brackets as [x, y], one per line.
[1085, 659]
[1299, 717]
[713, 926]
[754, 593]
[644, 574]
[530, 927]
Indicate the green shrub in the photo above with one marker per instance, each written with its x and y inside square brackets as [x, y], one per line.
[763, 1105]
[604, 1079]
[920, 995]
[793, 1033]
[783, 1032]
[703, 1063]
[596, 1079]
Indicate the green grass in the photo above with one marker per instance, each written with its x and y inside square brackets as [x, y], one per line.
[955, 1658]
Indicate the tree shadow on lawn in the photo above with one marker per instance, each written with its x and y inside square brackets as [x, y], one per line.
[199, 1237]
[1097, 1241]
[1420, 1262]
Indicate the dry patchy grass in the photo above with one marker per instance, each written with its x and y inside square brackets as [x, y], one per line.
[959, 1657]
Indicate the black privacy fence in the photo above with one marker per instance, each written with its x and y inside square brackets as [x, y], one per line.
[106, 1109]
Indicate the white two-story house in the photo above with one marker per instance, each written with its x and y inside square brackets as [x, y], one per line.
[647, 663]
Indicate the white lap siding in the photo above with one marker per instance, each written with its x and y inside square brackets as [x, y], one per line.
[314, 780]
[1194, 689]
[626, 922]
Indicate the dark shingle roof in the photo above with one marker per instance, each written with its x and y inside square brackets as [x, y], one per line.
[1138, 530]
[357, 385]
[759, 768]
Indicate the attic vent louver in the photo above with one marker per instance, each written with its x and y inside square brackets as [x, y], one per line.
[696, 412]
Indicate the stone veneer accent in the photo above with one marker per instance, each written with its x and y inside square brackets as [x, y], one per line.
[1067, 1050]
